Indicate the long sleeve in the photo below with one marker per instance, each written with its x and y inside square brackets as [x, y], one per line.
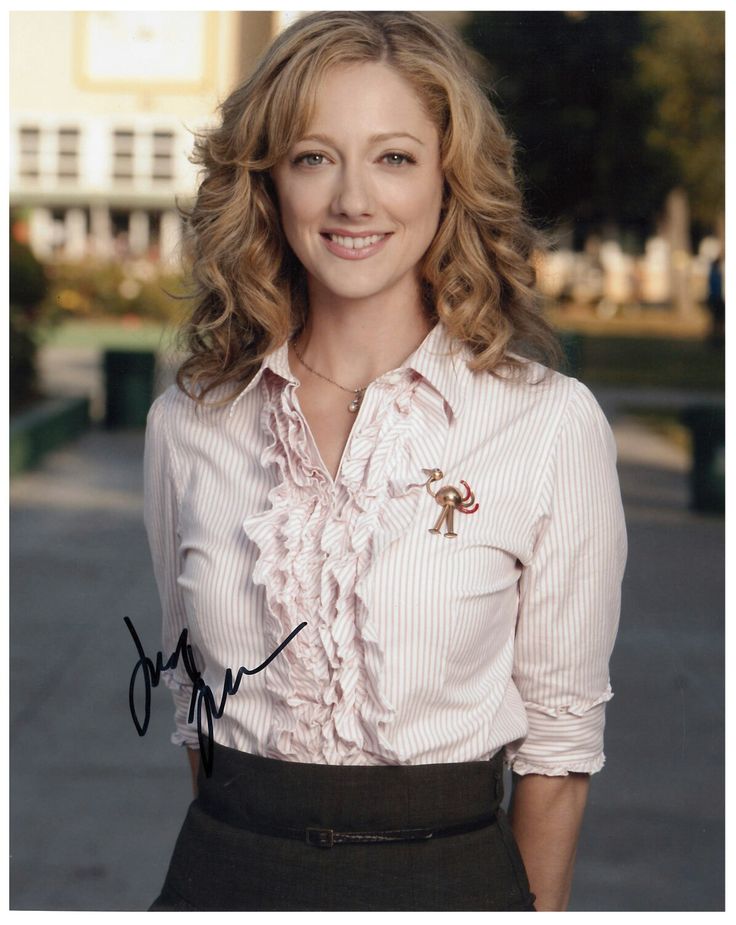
[161, 508]
[569, 599]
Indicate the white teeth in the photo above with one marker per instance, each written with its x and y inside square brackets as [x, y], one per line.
[356, 243]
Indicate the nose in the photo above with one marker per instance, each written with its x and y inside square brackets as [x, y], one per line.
[353, 194]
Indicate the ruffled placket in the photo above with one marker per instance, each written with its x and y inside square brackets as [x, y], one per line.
[316, 541]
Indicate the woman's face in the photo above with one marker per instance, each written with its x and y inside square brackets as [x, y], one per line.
[360, 194]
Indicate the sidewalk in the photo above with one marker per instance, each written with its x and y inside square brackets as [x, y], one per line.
[95, 809]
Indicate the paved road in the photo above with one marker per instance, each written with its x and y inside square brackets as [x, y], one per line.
[95, 809]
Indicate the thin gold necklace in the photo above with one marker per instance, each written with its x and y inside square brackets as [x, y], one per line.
[357, 393]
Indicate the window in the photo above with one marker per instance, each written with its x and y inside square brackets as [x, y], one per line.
[68, 153]
[30, 143]
[123, 150]
[163, 155]
[142, 156]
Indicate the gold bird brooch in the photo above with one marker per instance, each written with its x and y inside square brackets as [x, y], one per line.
[451, 499]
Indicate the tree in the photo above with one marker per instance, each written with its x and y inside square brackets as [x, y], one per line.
[565, 83]
[682, 65]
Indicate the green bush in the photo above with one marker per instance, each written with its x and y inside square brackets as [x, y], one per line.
[114, 290]
[28, 286]
[28, 283]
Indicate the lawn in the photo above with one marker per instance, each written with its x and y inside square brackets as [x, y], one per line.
[650, 361]
[113, 334]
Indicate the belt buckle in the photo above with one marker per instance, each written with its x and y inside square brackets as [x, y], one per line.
[320, 838]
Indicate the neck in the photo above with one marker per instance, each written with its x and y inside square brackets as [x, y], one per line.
[355, 345]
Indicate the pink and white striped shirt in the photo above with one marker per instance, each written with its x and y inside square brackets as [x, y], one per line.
[418, 648]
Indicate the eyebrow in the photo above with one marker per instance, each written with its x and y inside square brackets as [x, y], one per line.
[383, 136]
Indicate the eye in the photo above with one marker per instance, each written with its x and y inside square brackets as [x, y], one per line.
[397, 159]
[304, 159]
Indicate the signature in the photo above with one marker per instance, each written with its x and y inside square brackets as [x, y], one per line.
[202, 699]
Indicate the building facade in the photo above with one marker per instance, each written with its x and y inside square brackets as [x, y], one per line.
[103, 110]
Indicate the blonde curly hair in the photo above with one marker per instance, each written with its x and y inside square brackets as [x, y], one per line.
[249, 288]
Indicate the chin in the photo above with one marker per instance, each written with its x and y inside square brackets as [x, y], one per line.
[340, 289]
[355, 295]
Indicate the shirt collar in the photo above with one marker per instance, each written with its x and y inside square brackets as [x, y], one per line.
[433, 359]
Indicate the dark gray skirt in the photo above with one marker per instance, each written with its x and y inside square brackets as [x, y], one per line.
[226, 857]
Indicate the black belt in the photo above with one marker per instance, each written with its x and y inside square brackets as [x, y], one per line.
[327, 838]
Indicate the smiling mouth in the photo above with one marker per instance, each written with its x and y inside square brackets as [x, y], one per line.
[354, 243]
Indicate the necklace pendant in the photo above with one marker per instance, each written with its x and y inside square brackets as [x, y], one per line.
[355, 404]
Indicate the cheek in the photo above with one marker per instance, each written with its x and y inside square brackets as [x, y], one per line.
[302, 209]
[423, 210]
[294, 201]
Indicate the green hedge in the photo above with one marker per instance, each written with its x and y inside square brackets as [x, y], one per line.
[114, 290]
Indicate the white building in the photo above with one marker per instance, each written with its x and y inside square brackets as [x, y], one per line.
[103, 105]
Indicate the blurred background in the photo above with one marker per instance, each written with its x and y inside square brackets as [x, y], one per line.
[619, 120]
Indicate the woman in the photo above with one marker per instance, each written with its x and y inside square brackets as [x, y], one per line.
[364, 480]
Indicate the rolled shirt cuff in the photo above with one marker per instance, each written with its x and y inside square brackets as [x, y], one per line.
[184, 733]
[561, 740]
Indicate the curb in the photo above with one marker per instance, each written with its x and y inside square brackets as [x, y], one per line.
[49, 425]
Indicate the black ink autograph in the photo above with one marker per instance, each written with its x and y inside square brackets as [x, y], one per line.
[202, 696]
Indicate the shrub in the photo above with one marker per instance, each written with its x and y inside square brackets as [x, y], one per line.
[28, 286]
[103, 290]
